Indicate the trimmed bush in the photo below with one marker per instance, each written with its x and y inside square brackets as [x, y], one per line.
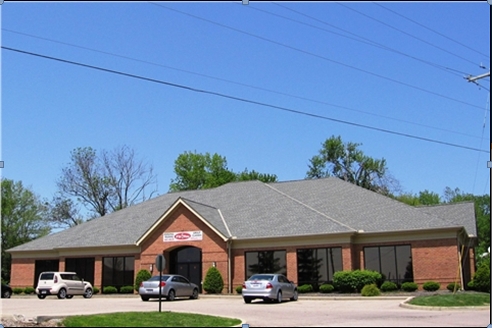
[17, 290]
[451, 286]
[471, 285]
[370, 290]
[213, 283]
[126, 290]
[353, 281]
[95, 290]
[110, 290]
[409, 286]
[326, 288]
[29, 290]
[431, 286]
[306, 288]
[239, 289]
[481, 279]
[389, 286]
[142, 275]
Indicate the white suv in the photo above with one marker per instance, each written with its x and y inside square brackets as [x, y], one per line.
[63, 285]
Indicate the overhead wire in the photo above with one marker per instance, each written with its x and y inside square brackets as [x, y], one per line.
[240, 99]
[357, 38]
[239, 83]
[318, 56]
[408, 34]
[432, 30]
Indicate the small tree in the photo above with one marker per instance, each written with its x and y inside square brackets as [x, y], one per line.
[142, 275]
[213, 283]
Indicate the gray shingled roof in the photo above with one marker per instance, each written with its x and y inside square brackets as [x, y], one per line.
[253, 209]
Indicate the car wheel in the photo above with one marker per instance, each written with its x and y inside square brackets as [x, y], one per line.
[194, 296]
[88, 293]
[247, 300]
[295, 296]
[41, 297]
[62, 293]
[69, 296]
[171, 295]
[279, 296]
[145, 299]
[7, 294]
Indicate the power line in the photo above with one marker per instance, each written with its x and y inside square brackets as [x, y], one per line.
[241, 99]
[318, 56]
[438, 33]
[410, 35]
[358, 37]
[241, 84]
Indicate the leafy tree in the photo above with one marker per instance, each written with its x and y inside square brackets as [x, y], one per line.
[105, 183]
[347, 162]
[23, 219]
[423, 198]
[63, 213]
[202, 171]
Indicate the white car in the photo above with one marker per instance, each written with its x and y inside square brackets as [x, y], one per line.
[63, 285]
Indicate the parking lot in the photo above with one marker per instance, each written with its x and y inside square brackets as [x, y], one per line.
[303, 313]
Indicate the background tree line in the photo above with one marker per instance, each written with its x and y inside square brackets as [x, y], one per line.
[108, 181]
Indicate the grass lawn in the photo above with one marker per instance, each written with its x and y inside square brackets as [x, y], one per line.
[458, 299]
[149, 319]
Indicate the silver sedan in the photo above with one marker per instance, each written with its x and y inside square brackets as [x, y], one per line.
[172, 286]
[269, 287]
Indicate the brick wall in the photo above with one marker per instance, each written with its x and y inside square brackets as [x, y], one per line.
[22, 271]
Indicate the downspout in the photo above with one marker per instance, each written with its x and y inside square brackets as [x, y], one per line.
[229, 270]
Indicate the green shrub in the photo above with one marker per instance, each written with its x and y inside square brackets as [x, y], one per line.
[351, 281]
[213, 283]
[481, 279]
[110, 290]
[326, 288]
[142, 275]
[431, 286]
[453, 286]
[126, 289]
[29, 290]
[239, 289]
[306, 288]
[370, 290]
[95, 290]
[17, 290]
[389, 286]
[471, 285]
[409, 286]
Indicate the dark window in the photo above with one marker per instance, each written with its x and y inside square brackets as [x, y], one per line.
[265, 262]
[84, 267]
[316, 266]
[394, 262]
[118, 271]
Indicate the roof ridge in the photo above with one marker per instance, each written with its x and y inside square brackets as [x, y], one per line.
[309, 207]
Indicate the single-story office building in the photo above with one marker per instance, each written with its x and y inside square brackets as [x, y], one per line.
[306, 229]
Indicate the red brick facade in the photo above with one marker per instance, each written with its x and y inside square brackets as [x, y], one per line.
[433, 259]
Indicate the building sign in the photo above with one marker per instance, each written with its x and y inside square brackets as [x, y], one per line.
[183, 236]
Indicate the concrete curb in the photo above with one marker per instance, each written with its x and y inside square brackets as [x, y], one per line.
[404, 304]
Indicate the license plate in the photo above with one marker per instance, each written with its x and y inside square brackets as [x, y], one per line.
[150, 290]
[43, 292]
[255, 285]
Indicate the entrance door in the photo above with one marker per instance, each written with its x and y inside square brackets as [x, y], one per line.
[187, 261]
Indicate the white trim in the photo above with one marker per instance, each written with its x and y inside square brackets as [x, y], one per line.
[89, 252]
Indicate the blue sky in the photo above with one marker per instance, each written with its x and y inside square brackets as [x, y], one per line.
[397, 66]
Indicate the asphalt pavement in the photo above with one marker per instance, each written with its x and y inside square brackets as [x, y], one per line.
[308, 311]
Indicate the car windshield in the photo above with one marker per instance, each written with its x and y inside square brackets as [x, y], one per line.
[267, 277]
[156, 278]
